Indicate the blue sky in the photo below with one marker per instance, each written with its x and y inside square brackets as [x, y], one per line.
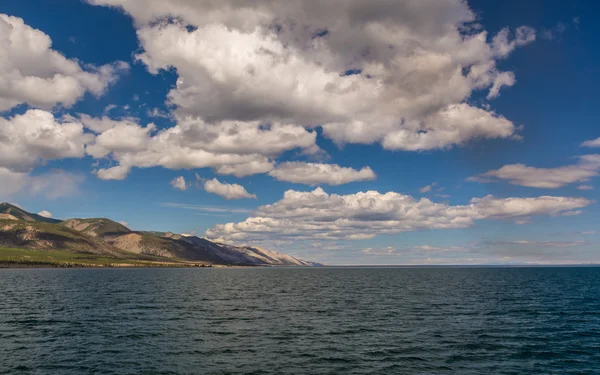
[413, 116]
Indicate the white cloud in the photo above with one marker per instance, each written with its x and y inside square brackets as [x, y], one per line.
[388, 250]
[318, 215]
[585, 187]
[210, 209]
[102, 124]
[539, 243]
[246, 168]
[179, 183]
[523, 221]
[501, 80]
[227, 191]
[124, 223]
[453, 125]
[234, 148]
[110, 107]
[419, 250]
[155, 112]
[32, 72]
[413, 66]
[242, 138]
[51, 185]
[487, 251]
[45, 213]
[592, 143]
[427, 189]
[550, 178]
[113, 173]
[36, 136]
[317, 173]
[502, 44]
[123, 138]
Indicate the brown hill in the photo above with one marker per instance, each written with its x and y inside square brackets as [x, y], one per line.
[21, 229]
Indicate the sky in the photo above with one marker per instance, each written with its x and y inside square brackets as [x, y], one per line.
[342, 132]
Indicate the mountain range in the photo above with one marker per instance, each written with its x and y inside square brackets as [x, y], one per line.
[102, 236]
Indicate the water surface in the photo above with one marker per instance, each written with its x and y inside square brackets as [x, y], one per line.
[300, 321]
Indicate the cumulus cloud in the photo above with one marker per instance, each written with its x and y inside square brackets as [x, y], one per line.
[231, 148]
[550, 178]
[45, 213]
[397, 73]
[113, 173]
[247, 167]
[592, 143]
[318, 215]
[51, 185]
[36, 136]
[102, 124]
[452, 125]
[32, 72]
[227, 191]
[317, 173]
[179, 183]
[123, 138]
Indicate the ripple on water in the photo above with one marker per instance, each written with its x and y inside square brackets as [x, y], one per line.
[300, 321]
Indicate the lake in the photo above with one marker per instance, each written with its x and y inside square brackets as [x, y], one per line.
[300, 321]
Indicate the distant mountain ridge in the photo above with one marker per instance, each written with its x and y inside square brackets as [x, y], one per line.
[19, 228]
[21, 214]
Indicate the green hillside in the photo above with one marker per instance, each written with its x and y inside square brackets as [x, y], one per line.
[19, 213]
[99, 227]
[11, 257]
[41, 235]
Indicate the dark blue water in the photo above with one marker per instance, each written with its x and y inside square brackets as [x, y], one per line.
[300, 321]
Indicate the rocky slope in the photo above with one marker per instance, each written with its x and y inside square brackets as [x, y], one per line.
[240, 254]
[46, 236]
[19, 228]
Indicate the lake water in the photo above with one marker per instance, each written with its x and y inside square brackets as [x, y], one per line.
[300, 321]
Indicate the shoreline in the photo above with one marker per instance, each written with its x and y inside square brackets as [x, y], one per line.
[11, 265]
[7, 265]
